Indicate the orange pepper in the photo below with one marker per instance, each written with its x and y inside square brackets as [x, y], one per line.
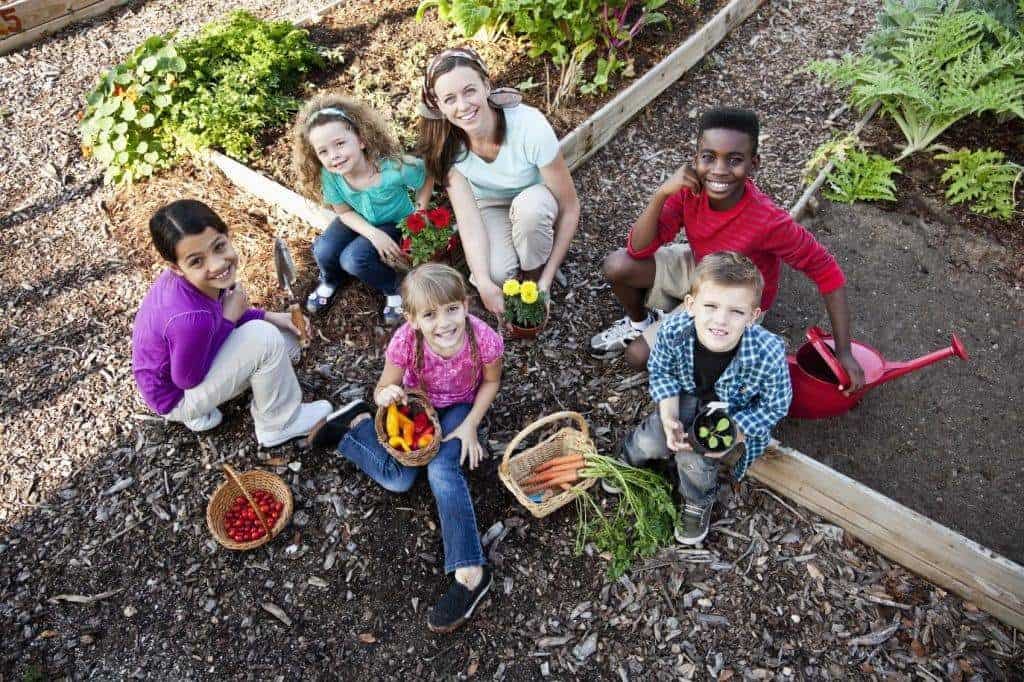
[426, 439]
[408, 429]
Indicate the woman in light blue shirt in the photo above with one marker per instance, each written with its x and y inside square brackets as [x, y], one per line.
[513, 196]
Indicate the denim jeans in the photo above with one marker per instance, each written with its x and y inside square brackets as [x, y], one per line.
[697, 475]
[447, 481]
[340, 249]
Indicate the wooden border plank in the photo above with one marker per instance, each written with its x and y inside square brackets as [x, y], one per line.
[597, 130]
[927, 548]
[17, 40]
[23, 15]
[271, 191]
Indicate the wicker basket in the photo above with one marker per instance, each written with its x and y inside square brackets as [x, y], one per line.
[415, 458]
[514, 469]
[224, 496]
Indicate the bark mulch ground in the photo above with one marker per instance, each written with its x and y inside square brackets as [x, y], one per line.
[107, 569]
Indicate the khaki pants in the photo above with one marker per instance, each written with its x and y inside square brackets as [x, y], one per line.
[520, 231]
[256, 355]
[673, 274]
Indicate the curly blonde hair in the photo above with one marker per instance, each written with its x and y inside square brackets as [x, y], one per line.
[362, 119]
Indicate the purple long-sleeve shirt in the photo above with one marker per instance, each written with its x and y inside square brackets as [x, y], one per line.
[178, 331]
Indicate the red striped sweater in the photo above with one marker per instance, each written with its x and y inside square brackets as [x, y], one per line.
[755, 227]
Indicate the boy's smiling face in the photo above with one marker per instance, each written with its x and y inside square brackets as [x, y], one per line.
[724, 160]
[721, 313]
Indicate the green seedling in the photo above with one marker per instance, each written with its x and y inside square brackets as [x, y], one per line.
[720, 432]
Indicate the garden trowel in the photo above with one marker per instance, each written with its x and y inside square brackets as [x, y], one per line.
[285, 267]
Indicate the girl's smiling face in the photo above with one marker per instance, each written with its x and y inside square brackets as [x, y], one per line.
[443, 327]
[338, 147]
[462, 98]
[207, 261]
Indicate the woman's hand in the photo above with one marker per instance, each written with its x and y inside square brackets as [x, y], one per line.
[392, 393]
[234, 302]
[471, 448]
[387, 248]
[492, 298]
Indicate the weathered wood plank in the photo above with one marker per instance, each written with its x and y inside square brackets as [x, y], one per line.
[595, 132]
[25, 14]
[927, 548]
[25, 37]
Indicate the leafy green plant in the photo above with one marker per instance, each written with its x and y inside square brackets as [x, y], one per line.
[218, 89]
[719, 432]
[125, 123]
[525, 303]
[480, 19]
[941, 70]
[897, 15]
[856, 175]
[984, 178]
[643, 522]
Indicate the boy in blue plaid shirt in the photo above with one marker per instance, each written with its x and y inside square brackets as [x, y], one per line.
[712, 352]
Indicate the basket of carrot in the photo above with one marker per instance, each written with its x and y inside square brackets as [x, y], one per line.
[546, 476]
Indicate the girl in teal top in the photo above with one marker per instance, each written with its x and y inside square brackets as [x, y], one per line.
[344, 155]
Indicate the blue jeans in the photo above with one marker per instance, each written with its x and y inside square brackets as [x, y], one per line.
[339, 250]
[646, 447]
[447, 481]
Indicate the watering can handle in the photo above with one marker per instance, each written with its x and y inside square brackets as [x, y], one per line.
[817, 338]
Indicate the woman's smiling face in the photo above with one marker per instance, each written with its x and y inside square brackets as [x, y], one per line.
[462, 98]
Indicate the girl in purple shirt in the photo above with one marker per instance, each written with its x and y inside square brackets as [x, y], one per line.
[196, 343]
[456, 359]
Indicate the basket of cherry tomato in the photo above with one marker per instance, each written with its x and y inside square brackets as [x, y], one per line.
[249, 509]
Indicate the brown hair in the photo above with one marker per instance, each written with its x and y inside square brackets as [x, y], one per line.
[728, 268]
[360, 118]
[439, 143]
[429, 286]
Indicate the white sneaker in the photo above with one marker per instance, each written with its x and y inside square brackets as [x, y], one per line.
[205, 422]
[308, 415]
[615, 338]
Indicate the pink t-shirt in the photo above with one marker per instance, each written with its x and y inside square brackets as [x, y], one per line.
[447, 381]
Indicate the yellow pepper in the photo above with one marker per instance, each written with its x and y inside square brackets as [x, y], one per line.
[392, 423]
[399, 442]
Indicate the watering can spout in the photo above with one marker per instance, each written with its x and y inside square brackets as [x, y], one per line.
[892, 370]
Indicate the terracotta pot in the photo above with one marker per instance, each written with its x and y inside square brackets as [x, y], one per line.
[514, 331]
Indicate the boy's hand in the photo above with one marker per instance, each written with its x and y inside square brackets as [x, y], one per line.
[855, 371]
[471, 448]
[675, 435]
[385, 395]
[685, 176]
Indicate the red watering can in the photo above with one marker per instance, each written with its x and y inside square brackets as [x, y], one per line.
[817, 374]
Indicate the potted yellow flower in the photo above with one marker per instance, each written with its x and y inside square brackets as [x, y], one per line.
[525, 308]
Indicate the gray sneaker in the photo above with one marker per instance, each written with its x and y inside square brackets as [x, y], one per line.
[694, 521]
[615, 338]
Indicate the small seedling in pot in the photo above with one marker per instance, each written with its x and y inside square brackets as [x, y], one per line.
[720, 432]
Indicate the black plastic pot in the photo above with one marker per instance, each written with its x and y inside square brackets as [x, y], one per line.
[709, 417]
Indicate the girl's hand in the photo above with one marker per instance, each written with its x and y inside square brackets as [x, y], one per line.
[234, 302]
[675, 435]
[471, 448]
[387, 248]
[392, 393]
[284, 321]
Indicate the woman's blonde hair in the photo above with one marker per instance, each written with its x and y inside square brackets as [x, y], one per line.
[330, 107]
[430, 286]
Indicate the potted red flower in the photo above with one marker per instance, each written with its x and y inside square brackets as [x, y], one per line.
[428, 235]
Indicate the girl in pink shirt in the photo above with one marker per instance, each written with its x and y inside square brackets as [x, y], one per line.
[456, 359]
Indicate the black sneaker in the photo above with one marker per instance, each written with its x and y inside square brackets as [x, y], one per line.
[329, 431]
[457, 605]
[694, 520]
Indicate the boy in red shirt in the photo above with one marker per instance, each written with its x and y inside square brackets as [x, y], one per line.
[721, 209]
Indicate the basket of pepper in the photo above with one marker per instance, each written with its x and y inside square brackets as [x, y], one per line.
[411, 432]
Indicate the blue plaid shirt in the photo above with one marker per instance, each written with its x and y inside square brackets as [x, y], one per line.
[755, 384]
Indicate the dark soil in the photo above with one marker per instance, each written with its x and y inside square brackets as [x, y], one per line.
[919, 188]
[382, 61]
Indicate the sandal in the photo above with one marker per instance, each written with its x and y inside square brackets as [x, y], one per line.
[318, 301]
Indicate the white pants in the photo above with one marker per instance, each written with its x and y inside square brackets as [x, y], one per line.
[520, 231]
[256, 355]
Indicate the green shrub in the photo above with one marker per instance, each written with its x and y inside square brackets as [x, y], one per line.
[218, 89]
[942, 68]
[480, 19]
[856, 175]
[983, 178]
